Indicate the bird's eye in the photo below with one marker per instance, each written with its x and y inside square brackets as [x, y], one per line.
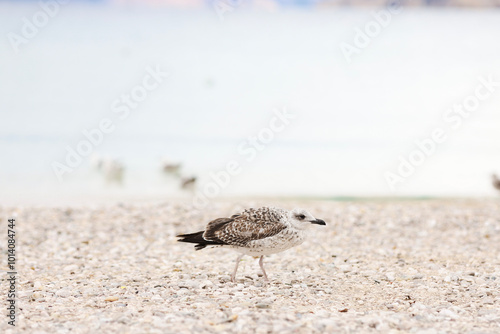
[300, 217]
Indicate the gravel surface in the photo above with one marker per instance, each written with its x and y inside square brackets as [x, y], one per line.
[380, 266]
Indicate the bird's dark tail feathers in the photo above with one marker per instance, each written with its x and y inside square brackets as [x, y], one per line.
[197, 238]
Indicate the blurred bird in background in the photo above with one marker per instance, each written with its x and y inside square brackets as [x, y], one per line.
[111, 169]
[170, 167]
[188, 183]
[495, 181]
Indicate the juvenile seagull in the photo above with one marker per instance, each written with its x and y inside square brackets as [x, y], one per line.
[255, 232]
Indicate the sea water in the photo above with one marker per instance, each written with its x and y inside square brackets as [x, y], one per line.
[354, 120]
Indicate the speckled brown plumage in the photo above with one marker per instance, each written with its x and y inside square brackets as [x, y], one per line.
[251, 224]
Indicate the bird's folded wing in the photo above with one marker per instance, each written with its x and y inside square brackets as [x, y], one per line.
[241, 229]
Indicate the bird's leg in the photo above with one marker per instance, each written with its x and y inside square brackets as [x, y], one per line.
[233, 276]
[261, 263]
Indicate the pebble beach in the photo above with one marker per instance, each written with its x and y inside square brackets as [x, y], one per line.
[405, 266]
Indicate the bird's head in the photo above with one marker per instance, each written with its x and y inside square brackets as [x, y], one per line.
[302, 219]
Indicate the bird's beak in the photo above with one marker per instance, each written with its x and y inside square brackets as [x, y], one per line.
[318, 221]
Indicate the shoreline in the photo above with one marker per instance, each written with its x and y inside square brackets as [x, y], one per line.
[106, 200]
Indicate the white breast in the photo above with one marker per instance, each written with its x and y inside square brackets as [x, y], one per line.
[280, 242]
